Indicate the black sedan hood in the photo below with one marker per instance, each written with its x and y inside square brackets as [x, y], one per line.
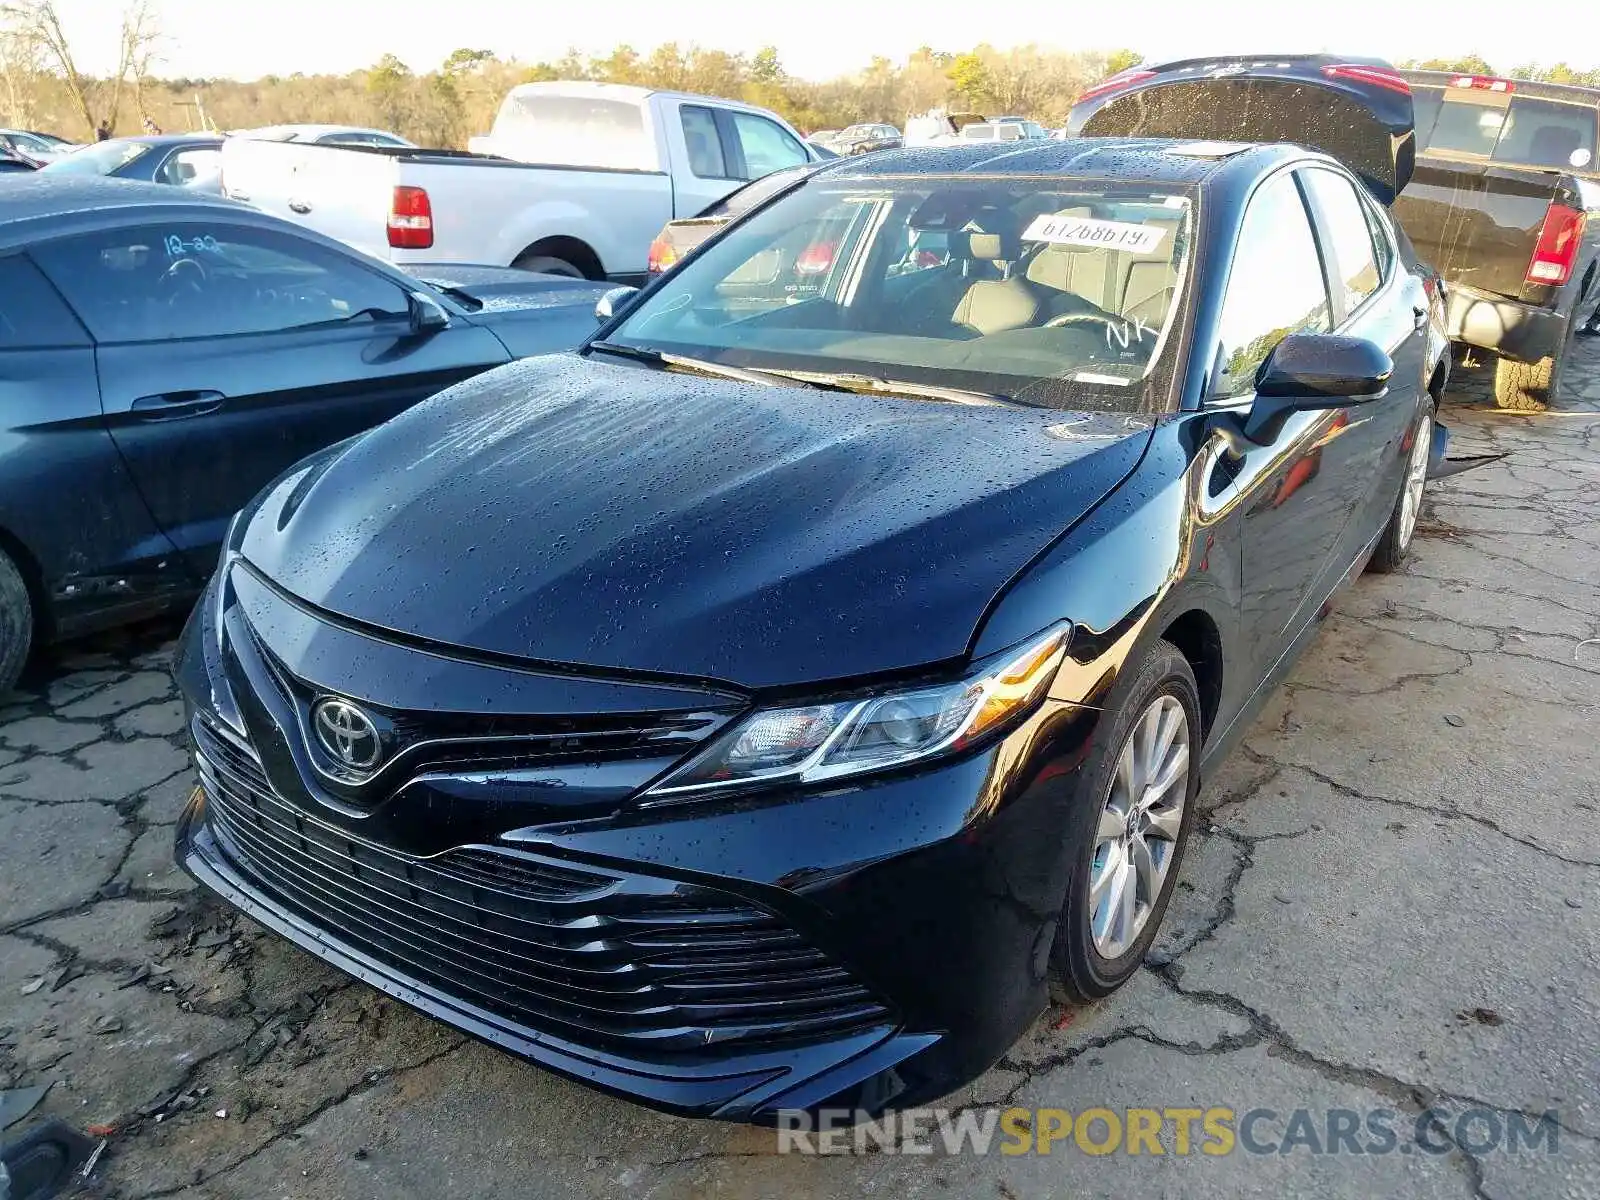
[571, 510]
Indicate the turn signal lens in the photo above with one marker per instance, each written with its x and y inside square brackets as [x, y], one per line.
[851, 737]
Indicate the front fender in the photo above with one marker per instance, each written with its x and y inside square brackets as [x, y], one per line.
[1156, 548]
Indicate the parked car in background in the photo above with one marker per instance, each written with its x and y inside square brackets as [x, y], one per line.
[824, 136]
[1497, 204]
[325, 135]
[188, 160]
[163, 355]
[32, 146]
[14, 164]
[678, 238]
[863, 139]
[992, 131]
[820, 665]
[585, 176]
[1030, 129]
[1494, 204]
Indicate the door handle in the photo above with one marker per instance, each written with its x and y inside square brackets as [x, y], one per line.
[1419, 317]
[173, 406]
[299, 206]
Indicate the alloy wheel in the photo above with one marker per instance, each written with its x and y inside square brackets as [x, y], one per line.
[1416, 479]
[1137, 835]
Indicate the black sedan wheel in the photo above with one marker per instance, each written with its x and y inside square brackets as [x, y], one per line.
[1396, 540]
[1134, 819]
[16, 623]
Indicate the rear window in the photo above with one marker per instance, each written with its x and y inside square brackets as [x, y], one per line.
[1540, 133]
[1547, 133]
[581, 130]
[103, 158]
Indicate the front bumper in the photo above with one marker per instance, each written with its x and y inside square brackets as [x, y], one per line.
[891, 937]
[1509, 328]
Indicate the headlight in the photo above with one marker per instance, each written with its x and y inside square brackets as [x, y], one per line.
[814, 742]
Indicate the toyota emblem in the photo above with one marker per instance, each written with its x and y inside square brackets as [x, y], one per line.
[347, 734]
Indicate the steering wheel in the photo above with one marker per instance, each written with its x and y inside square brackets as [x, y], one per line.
[1098, 316]
[184, 273]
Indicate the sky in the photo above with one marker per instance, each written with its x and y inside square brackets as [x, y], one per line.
[819, 39]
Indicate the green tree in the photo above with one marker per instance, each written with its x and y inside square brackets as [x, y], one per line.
[1470, 64]
[1121, 60]
[970, 77]
[765, 66]
[464, 60]
[388, 86]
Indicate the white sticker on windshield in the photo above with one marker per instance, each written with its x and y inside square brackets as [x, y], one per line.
[1086, 231]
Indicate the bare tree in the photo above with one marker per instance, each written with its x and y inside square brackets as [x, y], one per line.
[37, 24]
[20, 68]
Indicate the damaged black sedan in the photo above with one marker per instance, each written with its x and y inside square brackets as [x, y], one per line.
[763, 708]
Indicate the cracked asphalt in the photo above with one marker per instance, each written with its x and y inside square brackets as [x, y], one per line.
[1390, 903]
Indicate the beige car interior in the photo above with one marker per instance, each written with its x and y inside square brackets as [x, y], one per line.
[1039, 282]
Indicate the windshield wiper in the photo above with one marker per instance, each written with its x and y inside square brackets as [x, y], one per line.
[845, 381]
[828, 381]
[699, 365]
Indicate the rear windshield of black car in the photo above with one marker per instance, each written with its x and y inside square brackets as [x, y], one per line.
[1527, 131]
[1051, 292]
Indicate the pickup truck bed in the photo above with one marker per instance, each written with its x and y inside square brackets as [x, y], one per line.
[581, 178]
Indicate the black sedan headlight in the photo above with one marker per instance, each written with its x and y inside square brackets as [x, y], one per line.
[815, 742]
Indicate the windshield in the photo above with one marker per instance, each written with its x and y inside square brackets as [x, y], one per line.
[1049, 292]
[102, 158]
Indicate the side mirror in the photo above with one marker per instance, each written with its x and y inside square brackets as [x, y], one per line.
[1311, 371]
[427, 315]
[606, 307]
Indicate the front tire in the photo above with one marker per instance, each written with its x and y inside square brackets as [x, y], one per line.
[1131, 826]
[1395, 543]
[16, 624]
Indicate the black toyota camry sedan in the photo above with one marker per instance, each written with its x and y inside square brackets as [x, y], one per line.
[762, 708]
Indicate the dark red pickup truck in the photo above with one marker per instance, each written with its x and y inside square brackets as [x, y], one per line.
[1486, 176]
[1496, 204]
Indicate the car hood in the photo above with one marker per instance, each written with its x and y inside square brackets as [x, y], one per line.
[530, 313]
[569, 510]
[505, 287]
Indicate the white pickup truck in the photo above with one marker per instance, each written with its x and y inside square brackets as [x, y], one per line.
[575, 179]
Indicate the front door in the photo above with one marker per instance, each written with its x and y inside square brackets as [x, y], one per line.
[226, 352]
[1295, 495]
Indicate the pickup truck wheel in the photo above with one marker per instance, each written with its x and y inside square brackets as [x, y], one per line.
[548, 264]
[16, 623]
[1524, 387]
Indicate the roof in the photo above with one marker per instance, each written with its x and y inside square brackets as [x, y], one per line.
[309, 130]
[629, 93]
[165, 139]
[45, 194]
[1147, 159]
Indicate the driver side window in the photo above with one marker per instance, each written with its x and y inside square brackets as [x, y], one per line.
[204, 278]
[1276, 286]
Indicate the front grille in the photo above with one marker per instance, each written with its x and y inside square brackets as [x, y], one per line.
[597, 957]
[415, 742]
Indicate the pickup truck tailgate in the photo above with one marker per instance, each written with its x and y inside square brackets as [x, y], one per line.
[1478, 223]
[335, 191]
